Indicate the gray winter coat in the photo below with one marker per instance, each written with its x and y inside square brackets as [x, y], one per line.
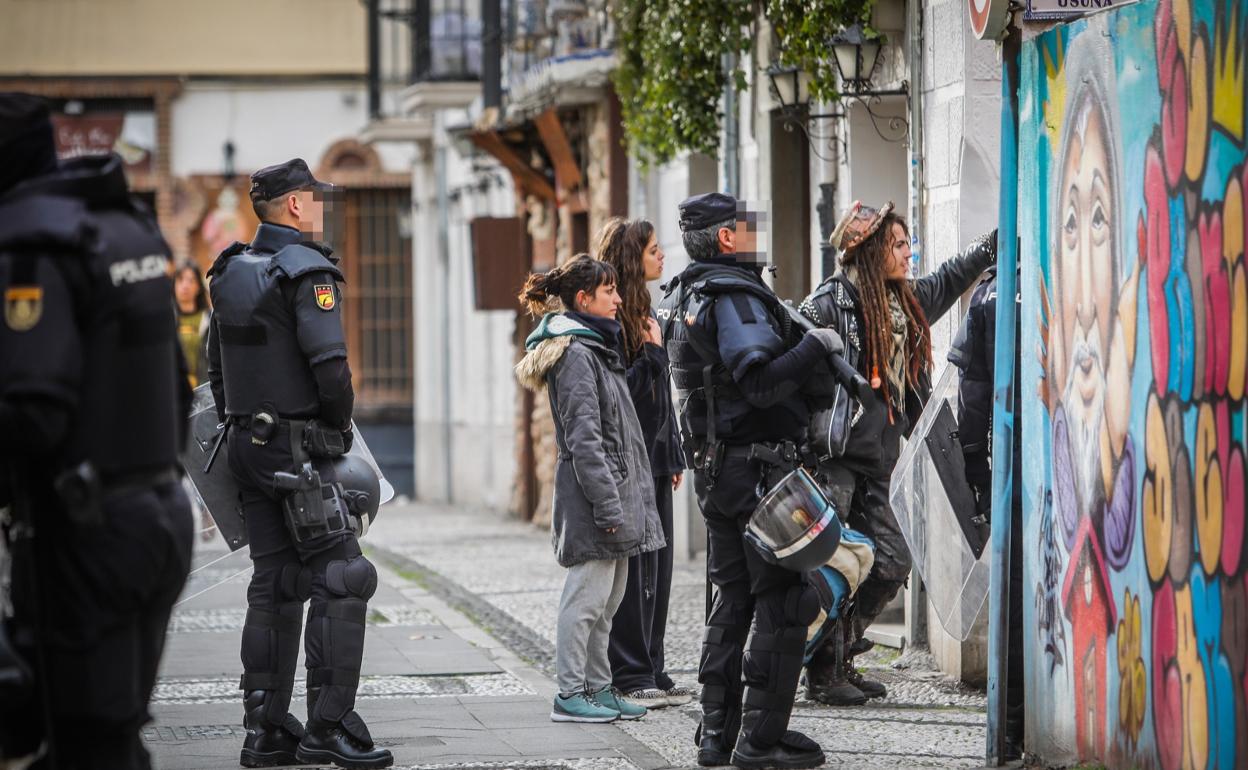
[603, 477]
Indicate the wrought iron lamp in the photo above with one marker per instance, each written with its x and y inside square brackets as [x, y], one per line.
[856, 58]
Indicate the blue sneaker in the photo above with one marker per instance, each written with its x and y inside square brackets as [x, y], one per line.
[579, 707]
[612, 698]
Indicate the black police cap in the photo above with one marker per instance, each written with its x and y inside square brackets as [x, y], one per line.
[272, 181]
[702, 211]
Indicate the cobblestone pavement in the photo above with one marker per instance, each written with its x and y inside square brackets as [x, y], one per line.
[459, 664]
[502, 573]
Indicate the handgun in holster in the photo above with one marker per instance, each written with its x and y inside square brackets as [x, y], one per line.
[312, 509]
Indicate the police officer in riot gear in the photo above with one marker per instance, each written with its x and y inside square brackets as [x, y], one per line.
[277, 363]
[92, 397]
[738, 374]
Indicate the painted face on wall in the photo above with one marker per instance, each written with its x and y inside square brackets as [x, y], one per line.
[1084, 291]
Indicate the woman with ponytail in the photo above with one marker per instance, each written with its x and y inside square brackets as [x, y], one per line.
[636, 649]
[604, 512]
[884, 317]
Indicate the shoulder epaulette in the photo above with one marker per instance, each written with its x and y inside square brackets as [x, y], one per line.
[299, 259]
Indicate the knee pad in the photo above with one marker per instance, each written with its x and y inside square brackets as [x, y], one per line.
[294, 583]
[351, 578]
[802, 605]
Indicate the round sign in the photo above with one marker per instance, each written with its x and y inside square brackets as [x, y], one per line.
[989, 18]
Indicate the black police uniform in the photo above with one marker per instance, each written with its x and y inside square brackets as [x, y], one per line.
[974, 352]
[91, 376]
[738, 376]
[278, 369]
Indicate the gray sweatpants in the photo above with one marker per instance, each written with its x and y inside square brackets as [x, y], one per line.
[591, 595]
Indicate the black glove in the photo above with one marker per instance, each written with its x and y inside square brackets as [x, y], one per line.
[348, 438]
[831, 341]
[323, 441]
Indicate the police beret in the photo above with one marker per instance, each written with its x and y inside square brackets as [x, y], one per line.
[702, 211]
[272, 181]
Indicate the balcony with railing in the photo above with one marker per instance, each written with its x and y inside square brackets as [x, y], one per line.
[422, 54]
[555, 52]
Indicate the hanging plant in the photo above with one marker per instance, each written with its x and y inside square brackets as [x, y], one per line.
[671, 74]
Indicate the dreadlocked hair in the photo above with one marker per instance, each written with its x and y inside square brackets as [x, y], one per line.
[622, 245]
[871, 258]
[581, 273]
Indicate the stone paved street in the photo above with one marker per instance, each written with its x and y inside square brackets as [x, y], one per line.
[459, 664]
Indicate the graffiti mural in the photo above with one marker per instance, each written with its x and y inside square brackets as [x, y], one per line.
[1135, 291]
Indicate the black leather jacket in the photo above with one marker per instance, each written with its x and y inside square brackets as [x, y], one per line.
[875, 442]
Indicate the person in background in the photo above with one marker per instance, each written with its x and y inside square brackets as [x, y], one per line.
[636, 648]
[193, 313]
[604, 511]
[884, 316]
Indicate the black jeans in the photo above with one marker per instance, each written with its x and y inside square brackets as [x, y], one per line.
[862, 503]
[640, 624]
[101, 596]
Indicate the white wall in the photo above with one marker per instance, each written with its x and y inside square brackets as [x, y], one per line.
[269, 123]
[961, 144]
[465, 391]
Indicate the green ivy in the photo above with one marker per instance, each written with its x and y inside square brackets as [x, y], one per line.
[671, 72]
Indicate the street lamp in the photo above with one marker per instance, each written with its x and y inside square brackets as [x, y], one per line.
[856, 57]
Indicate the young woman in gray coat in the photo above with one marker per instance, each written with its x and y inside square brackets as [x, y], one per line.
[604, 502]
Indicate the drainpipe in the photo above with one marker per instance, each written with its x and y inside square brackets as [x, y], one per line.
[916, 598]
[730, 168]
[444, 255]
[914, 56]
[1003, 417]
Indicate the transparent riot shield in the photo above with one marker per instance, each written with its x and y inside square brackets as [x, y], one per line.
[935, 513]
[206, 461]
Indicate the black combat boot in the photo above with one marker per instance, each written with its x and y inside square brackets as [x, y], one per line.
[793, 751]
[715, 736]
[268, 744]
[345, 743]
[868, 687]
[827, 684]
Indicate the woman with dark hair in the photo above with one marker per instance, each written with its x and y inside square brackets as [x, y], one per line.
[636, 648]
[603, 512]
[191, 297]
[884, 317]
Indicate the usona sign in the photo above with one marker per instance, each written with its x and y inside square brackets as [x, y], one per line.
[1066, 9]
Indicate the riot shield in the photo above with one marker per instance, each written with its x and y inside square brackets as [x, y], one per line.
[206, 461]
[934, 509]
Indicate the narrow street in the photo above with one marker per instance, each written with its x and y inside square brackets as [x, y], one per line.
[459, 661]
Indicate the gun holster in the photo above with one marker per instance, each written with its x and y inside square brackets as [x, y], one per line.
[312, 509]
[708, 457]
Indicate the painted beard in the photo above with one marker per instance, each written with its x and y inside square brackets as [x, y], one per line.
[1085, 416]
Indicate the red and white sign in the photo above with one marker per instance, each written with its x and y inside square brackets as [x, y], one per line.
[989, 18]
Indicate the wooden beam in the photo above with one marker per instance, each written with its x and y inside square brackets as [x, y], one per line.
[567, 172]
[525, 176]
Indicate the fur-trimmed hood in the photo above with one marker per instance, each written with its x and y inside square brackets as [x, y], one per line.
[546, 345]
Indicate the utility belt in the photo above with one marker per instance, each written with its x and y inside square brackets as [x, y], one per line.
[310, 434]
[313, 508]
[777, 458]
[83, 490]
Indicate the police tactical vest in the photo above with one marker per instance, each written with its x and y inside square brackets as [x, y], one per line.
[262, 362]
[127, 412]
[702, 382]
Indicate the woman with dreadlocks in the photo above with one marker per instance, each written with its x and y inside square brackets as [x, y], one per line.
[883, 315]
[636, 648]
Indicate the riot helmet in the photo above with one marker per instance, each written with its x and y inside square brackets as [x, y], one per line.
[361, 488]
[795, 526]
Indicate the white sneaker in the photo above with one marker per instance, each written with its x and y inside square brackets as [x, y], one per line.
[678, 696]
[651, 698]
